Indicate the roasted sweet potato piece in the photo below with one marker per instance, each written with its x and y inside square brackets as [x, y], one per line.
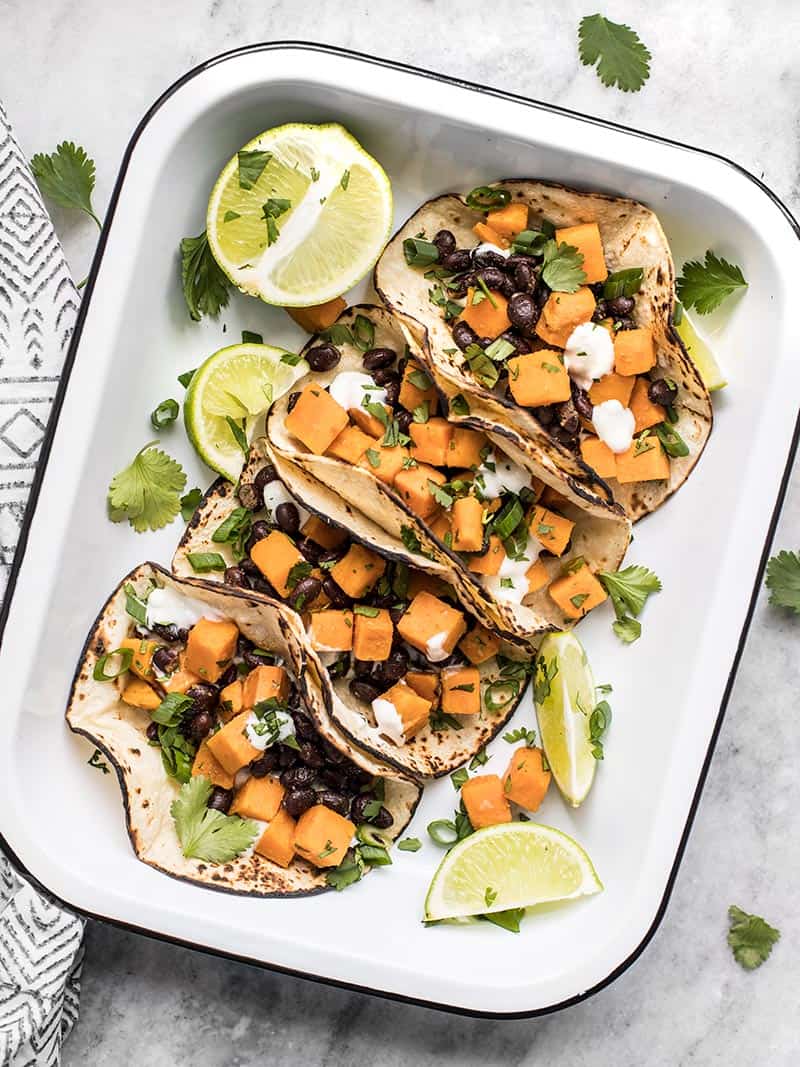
[550, 529]
[210, 647]
[258, 798]
[645, 412]
[206, 765]
[425, 684]
[465, 447]
[266, 682]
[509, 220]
[142, 659]
[277, 841]
[358, 570]
[385, 463]
[537, 576]
[485, 801]
[430, 441]
[138, 694]
[231, 700]
[412, 709]
[599, 456]
[231, 747]
[323, 533]
[414, 391]
[484, 232]
[413, 487]
[538, 378]
[491, 561]
[562, 313]
[586, 238]
[461, 690]
[526, 781]
[479, 645]
[645, 461]
[332, 631]
[319, 316]
[322, 836]
[275, 556]
[467, 524]
[351, 444]
[317, 419]
[634, 351]
[611, 387]
[577, 592]
[488, 318]
[372, 635]
[432, 626]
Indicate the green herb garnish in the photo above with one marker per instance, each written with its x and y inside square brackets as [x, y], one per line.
[624, 62]
[205, 833]
[704, 286]
[251, 166]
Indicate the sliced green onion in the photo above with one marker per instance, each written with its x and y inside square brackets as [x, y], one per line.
[368, 835]
[443, 832]
[203, 562]
[623, 283]
[134, 605]
[375, 855]
[484, 197]
[671, 441]
[410, 844]
[419, 253]
[508, 518]
[165, 414]
[492, 696]
[499, 350]
[125, 659]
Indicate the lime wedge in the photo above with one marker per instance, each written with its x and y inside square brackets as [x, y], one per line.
[239, 382]
[700, 353]
[564, 695]
[310, 220]
[513, 865]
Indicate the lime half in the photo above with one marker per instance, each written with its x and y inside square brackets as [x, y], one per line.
[513, 865]
[700, 354]
[564, 695]
[299, 215]
[226, 395]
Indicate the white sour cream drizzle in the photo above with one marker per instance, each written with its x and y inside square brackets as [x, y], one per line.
[266, 737]
[351, 386]
[588, 354]
[510, 584]
[169, 608]
[388, 720]
[487, 246]
[506, 476]
[614, 424]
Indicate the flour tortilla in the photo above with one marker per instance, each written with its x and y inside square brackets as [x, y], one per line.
[430, 753]
[632, 237]
[97, 711]
[601, 536]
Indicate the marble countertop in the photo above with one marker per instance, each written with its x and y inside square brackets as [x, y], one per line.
[87, 70]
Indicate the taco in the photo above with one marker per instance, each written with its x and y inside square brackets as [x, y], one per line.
[232, 773]
[520, 542]
[549, 311]
[411, 676]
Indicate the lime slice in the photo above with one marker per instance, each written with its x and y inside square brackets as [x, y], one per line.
[700, 353]
[513, 865]
[564, 694]
[239, 382]
[314, 219]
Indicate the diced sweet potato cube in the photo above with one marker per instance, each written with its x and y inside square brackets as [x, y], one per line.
[414, 710]
[332, 631]
[479, 645]
[467, 524]
[645, 412]
[645, 461]
[488, 318]
[551, 530]
[425, 684]
[266, 682]
[351, 444]
[441, 527]
[231, 747]
[275, 555]
[537, 576]
[277, 841]
[634, 351]
[509, 220]
[491, 561]
[485, 801]
[611, 387]
[432, 626]
[231, 701]
[414, 391]
[412, 486]
[142, 660]
[461, 690]
[138, 694]
[210, 647]
[526, 781]
[258, 798]
[465, 448]
[562, 313]
[387, 463]
[577, 592]
[484, 232]
[367, 422]
[538, 378]
[372, 635]
[358, 570]
[586, 238]
[319, 316]
[421, 581]
[599, 457]
[323, 533]
[430, 441]
[181, 679]
[206, 765]
[317, 419]
[323, 836]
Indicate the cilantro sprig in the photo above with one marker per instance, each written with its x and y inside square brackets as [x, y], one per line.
[704, 286]
[750, 938]
[562, 269]
[148, 491]
[623, 61]
[205, 287]
[783, 580]
[207, 834]
[629, 590]
[67, 177]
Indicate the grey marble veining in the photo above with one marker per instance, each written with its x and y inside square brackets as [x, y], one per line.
[724, 76]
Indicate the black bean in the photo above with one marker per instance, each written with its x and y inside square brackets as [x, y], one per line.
[332, 555]
[265, 764]
[249, 568]
[621, 306]
[524, 277]
[261, 658]
[296, 801]
[457, 261]
[493, 277]
[517, 340]
[545, 415]
[310, 549]
[542, 294]
[376, 358]
[335, 801]
[395, 667]
[304, 726]
[204, 695]
[230, 674]
[383, 820]
[261, 585]
[332, 754]
[522, 310]
[359, 805]
[169, 632]
[235, 576]
[358, 778]
[323, 357]
[166, 659]
[220, 799]
[293, 398]
[336, 595]
[336, 778]
[404, 420]
[199, 725]
[600, 311]
[304, 593]
[485, 257]
[152, 732]
[364, 691]
[260, 530]
[624, 324]
[660, 391]
[266, 475]
[455, 659]
[583, 405]
[458, 286]
[464, 335]
[445, 242]
[363, 668]
[567, 417]
[384, 375]
[287, 756]
[294, 777]
[288, 517]
[567, 440]
[392, 391]
[311, 755]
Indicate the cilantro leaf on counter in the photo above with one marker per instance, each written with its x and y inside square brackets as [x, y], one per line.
[148, 492]
[205, 287]
[783, 580]
[563, 267]
[750, 938]
[624, 61]
[66, 177]
[705, 285]
[206, 834]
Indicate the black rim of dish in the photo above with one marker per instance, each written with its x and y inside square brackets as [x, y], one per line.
[53, 422]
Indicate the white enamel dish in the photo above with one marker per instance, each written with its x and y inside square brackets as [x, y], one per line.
[64, 821]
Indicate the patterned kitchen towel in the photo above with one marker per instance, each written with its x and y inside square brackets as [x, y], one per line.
[40, 942]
